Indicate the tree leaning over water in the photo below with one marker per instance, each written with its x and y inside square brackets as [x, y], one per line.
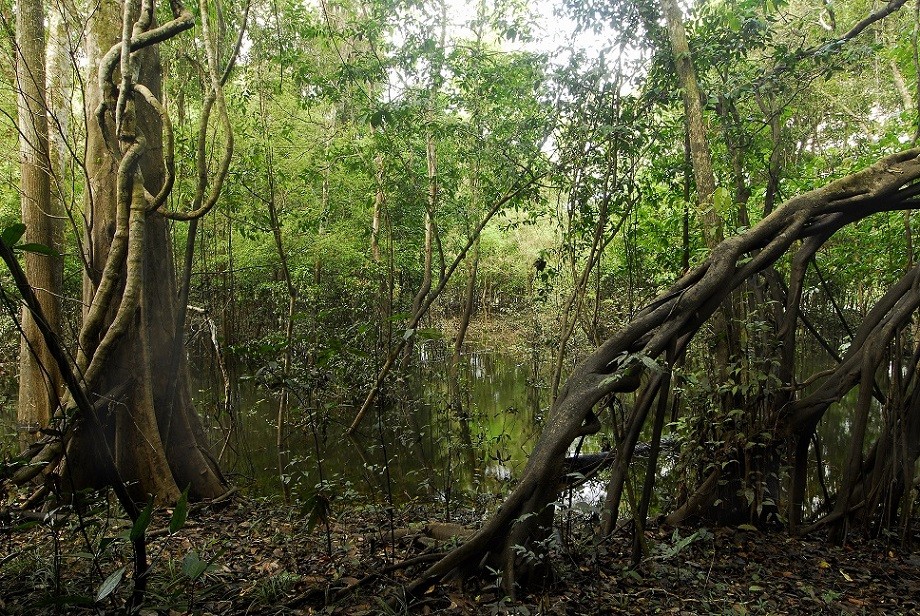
[761, 405]
[640, 358]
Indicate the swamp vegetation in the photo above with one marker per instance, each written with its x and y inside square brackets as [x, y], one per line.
[414, 306]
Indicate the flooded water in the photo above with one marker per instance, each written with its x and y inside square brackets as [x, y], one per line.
[413, 445]
[417, 446]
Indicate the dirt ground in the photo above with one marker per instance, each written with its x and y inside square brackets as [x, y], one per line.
[260, 557]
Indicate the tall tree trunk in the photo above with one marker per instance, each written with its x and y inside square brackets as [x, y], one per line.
[725, 341]
[379, 201]
[39, 378]
[128, 335]
[428, 251]
[693, 110]
[281, 424]
[701, 159]
[431, 160]
[466, 313]
[324, 195]
[385, 287]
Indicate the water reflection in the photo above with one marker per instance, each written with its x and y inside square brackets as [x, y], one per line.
[834, 436]
[414, 444]
[417, 443]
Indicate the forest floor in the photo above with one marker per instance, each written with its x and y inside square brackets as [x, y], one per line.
[263, 559]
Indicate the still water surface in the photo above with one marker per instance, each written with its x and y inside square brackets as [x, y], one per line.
[415, 446]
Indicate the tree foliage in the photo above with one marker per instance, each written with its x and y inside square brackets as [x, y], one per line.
[398, 168]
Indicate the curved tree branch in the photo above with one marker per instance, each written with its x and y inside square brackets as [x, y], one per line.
[672, 319]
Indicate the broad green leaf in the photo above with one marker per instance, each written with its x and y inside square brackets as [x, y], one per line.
[319, 511]
[141, 523]
[429, 333]
[106, 542]
[722, 200]
[650, 363]
[180, 513]
[110, 584]
[193, 566]
[13, 234]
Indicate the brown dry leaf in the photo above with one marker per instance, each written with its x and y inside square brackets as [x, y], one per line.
[459, 601]
[267, 566]
[856, 602]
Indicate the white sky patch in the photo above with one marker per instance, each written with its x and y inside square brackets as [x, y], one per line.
[552, 32]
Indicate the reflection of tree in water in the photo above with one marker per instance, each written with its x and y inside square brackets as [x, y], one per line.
[832, 438]
[491, 430]
[483, 443]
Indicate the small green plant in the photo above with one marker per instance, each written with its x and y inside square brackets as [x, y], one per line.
[670, 550]
[271, 590]
[830, 596]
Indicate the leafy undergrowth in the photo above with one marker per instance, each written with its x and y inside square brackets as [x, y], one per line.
[258, 557]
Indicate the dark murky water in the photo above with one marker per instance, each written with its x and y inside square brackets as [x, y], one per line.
[415, 445]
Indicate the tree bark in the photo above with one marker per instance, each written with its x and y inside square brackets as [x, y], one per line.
[428, 249]
[670, 322]
[128, 334]
[693, 110]
[39, 378]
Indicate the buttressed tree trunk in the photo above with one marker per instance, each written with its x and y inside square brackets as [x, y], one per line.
[127, 341]
[39, 379]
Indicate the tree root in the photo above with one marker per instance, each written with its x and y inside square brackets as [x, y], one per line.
[669, 323]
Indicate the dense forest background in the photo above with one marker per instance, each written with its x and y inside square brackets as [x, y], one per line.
[274, 247]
